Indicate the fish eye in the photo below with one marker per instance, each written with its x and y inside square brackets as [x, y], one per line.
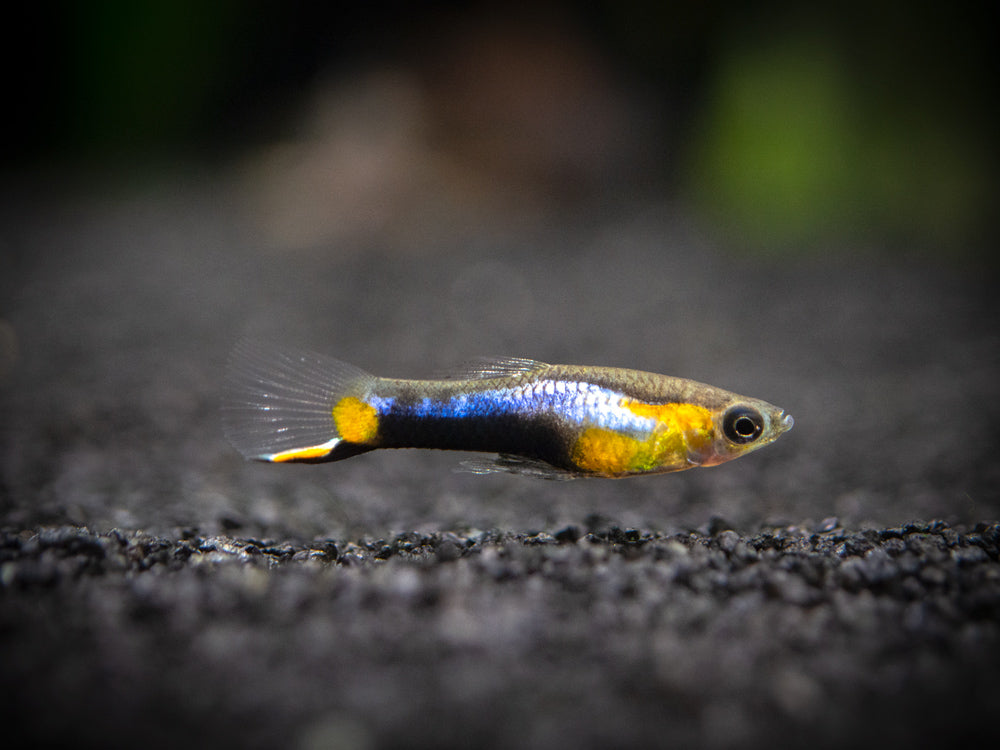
[742, 424]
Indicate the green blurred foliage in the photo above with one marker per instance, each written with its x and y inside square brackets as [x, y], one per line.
[811, 133]
[776, 149]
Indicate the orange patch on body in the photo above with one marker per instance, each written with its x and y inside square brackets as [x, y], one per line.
[687, 418]
[603, 451]
[679, 430]
[356, 421]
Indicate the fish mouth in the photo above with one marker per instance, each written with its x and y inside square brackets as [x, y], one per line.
[785, 421]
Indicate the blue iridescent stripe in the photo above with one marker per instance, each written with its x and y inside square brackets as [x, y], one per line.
[581, 404]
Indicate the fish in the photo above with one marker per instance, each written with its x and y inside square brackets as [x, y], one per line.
[285, 405]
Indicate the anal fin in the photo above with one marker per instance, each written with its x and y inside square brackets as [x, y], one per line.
[509, 464]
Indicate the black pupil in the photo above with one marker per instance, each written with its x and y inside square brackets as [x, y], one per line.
[744, 426]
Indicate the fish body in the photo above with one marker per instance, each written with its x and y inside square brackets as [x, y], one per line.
[554, 421]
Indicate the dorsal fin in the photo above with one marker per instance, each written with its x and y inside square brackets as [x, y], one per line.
[493, 367]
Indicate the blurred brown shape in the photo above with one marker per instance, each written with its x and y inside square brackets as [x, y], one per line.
[488, 117]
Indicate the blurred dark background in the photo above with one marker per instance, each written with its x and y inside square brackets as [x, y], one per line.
[786, 127]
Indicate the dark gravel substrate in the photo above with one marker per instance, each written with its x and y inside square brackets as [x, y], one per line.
[589, 635]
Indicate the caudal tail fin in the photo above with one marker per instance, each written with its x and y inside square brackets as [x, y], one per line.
[282, 404]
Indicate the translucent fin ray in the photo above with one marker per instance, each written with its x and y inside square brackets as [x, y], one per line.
[278, 401]
[482, 368]
[504, 463]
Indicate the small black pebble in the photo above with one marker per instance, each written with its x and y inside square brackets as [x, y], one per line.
[568, 535]
[717, 525]
[326, 547]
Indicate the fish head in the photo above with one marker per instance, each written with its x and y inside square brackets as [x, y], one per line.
[739, 426]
